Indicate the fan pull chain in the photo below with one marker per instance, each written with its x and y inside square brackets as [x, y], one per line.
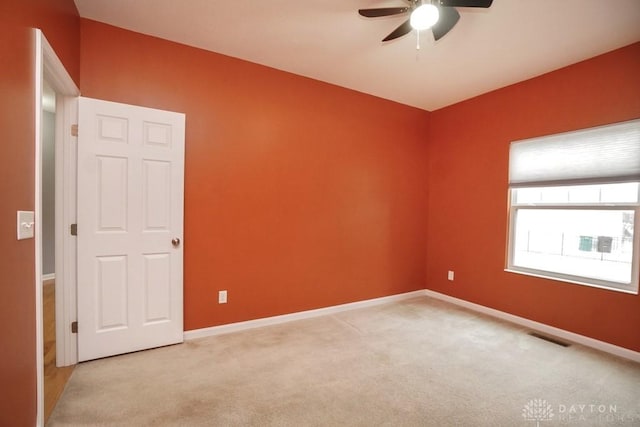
[417, 39]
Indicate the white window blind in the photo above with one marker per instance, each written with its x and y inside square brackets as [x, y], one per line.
[608, 153]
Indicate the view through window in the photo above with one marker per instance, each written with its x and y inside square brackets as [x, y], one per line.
[582, 231]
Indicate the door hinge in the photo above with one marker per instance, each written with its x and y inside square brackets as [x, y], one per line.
[74, 130]
[73, 229]
[74, 327]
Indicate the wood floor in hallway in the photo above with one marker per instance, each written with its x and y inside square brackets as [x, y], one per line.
[54, 378]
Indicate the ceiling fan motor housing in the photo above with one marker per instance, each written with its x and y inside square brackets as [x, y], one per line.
[445, 18]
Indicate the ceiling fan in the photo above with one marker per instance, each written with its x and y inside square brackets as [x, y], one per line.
[439, 15]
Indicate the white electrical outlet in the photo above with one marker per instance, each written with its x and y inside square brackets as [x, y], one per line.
[450, 275]
[222, 297]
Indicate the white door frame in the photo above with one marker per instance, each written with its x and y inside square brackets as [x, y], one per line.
[65, 215]
[49, 67]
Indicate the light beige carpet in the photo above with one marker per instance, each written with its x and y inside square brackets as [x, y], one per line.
[419, 362]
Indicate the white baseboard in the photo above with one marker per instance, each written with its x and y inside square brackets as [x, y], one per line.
[540, 327]
[530, 324]
[275, 320]
[50, 276]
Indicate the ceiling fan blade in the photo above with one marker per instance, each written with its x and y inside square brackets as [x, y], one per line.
[399, 32]
[448, 18]
[465, 3]
[384, 11]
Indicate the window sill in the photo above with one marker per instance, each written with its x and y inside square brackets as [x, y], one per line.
[543, 275]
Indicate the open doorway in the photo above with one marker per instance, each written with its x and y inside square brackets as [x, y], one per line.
[55, 378]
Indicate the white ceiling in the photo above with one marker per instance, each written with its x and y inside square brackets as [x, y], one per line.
[327, 40]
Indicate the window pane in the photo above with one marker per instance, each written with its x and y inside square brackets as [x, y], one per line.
[555, 195]
[578, 194]
[585, 194]
[527, 195]
[589, 243]
[621, 193]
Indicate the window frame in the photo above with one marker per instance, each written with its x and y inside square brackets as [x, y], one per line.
[514, 207]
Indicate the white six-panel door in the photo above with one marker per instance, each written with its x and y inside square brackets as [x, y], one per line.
[130, 223]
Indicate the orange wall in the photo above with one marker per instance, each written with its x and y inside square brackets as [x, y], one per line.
[60, 23]
[298, 194]
[468, 166]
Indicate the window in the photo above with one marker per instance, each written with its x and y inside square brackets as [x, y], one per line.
[575, 203]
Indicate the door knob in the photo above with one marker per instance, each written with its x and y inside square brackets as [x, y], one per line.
[175, 242]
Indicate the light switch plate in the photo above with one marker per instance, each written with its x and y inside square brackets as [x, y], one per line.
[25, 224]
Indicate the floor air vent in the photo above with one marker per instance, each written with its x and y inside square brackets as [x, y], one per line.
[549, 339]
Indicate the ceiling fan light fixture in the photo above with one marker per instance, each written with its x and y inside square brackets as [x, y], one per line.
[424, 17]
